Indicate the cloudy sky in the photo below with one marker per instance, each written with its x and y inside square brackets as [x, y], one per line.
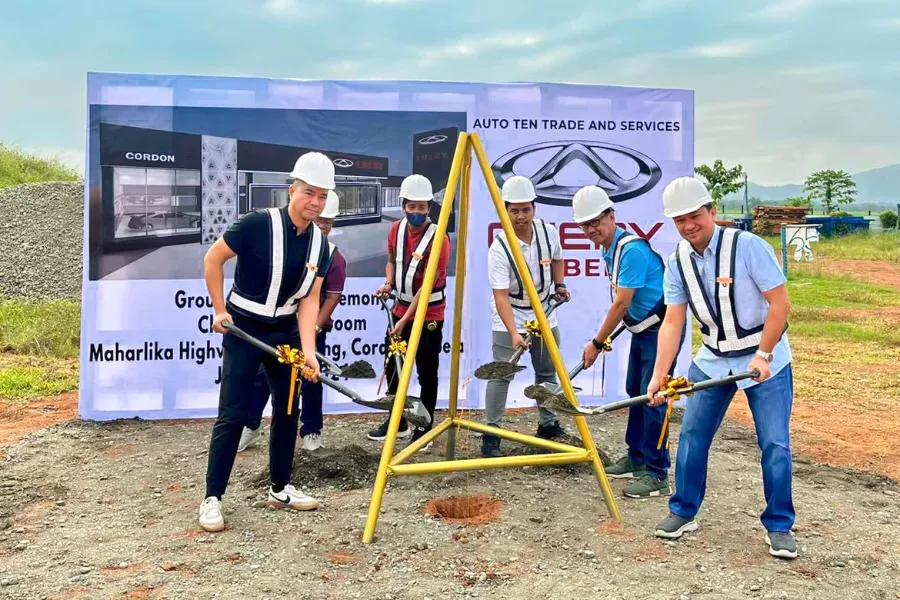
[783, 87]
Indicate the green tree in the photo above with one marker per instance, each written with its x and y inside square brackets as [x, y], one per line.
[721, 181]
[831, 188]
[798, 201]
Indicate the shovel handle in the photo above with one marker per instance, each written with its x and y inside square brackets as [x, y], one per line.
[521, 349]
[398, 362]
[332, 366]
[696, 387]
[270, 350]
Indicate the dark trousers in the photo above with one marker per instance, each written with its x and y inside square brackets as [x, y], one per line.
[645, 422]
[240, 367]
[428, 359]
[310, 399]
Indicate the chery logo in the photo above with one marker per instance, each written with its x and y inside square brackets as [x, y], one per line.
[344, 163]
[433, 139]
[550, 191]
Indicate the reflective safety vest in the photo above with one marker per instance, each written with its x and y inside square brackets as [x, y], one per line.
[265, 306]
[659, 310]
[544, 284]
[721, 331]
[405, 269]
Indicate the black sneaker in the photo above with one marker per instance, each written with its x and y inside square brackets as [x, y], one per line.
[380, 433]
[673, 527]
[548, 432]
[417, 433]
[781, 544]
[490, 446]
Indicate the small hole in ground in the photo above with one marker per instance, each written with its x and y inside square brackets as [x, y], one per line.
[465, 510]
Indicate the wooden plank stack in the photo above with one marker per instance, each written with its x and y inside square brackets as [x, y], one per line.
[767, 220]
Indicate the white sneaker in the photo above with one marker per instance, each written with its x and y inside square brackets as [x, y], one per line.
[211, 515]
[291, 497]
[312, 442]
[249, 437]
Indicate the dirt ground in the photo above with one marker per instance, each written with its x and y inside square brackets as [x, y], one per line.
[92, 510]
[882, 272]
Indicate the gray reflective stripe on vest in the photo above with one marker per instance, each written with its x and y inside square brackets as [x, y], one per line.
[270, 308]
[651, 319]
[517, 296]
[721, 324]
[404, 278]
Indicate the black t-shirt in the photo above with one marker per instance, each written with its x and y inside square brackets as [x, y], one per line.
[248, 237]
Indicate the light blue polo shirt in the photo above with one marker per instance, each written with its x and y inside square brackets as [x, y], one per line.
[641, 270]
[756, 270]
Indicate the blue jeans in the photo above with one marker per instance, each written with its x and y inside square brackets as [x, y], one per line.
[770, 402]
[310, 399]
[645, 422]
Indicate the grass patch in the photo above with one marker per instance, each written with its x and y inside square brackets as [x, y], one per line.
[24, 377]
[49, 328]
[812, 290]
[19, 167]
[868, 245]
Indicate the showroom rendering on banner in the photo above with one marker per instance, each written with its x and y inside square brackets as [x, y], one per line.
[174, 160]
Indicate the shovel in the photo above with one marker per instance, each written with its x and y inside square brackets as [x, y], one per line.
[501, 369]
[557, 389]
[558, 403]
[415, 412]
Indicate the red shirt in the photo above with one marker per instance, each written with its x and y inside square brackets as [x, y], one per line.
[436, 312]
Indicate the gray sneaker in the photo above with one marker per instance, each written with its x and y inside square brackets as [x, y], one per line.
[781, 544]
[624, 469]
[673, 527]
[648, 486]
[249, 437]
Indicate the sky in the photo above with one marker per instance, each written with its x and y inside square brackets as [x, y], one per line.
[782, 87]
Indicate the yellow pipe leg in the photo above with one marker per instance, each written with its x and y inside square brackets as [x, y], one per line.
[475, 464]
[413, 345]
[546, 333]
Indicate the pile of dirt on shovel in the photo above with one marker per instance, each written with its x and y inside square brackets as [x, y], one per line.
[346, 468]
[358, 370]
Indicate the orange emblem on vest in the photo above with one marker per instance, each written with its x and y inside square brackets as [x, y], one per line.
[312, 267]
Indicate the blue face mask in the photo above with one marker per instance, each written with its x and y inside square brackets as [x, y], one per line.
[416, 219]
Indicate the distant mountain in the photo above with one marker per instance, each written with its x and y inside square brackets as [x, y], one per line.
[877, 186]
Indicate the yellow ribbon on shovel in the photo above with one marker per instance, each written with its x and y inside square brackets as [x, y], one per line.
[295, 359]
[670, 389]
[533, 328]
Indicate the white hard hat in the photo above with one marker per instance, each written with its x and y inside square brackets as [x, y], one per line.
[416, 188]
[684, 195]
[316, 169]
[332, 206]
[589, 203]
[518, 190]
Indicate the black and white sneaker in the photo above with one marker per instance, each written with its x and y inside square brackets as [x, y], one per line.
[673, 527]
[418, 432]
[781, 544]
[380, 433]
[291, 497]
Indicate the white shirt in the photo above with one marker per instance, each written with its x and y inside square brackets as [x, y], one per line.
[500, 273]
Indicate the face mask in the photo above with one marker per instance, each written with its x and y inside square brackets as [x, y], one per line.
[416, 219]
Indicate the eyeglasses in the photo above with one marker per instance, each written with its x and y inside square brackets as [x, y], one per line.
[592, 224]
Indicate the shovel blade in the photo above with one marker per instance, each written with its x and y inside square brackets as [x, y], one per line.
[545, 398]
[497, 370]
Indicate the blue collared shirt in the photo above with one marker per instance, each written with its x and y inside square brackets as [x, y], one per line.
[638, 269]
[756, 271]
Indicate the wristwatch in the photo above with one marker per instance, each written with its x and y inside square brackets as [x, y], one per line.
[560, 285]
[767, 356]
[597, 345]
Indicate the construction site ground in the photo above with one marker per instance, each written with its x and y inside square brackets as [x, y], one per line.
[109, 510]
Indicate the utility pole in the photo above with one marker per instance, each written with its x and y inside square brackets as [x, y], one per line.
[746, 201]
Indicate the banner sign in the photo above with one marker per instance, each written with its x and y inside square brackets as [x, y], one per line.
[173, 161]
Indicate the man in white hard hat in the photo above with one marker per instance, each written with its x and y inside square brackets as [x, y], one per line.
[409, 247]
[310, 391]
[636, 292]
[736, 291]
[511, 307]
[281, 259]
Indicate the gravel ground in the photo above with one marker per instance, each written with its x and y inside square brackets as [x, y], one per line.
[109, 510]
[41, 233]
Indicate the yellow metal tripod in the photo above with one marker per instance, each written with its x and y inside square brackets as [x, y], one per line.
[560, 453]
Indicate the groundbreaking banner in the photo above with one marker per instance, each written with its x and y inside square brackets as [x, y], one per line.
[172, 162]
